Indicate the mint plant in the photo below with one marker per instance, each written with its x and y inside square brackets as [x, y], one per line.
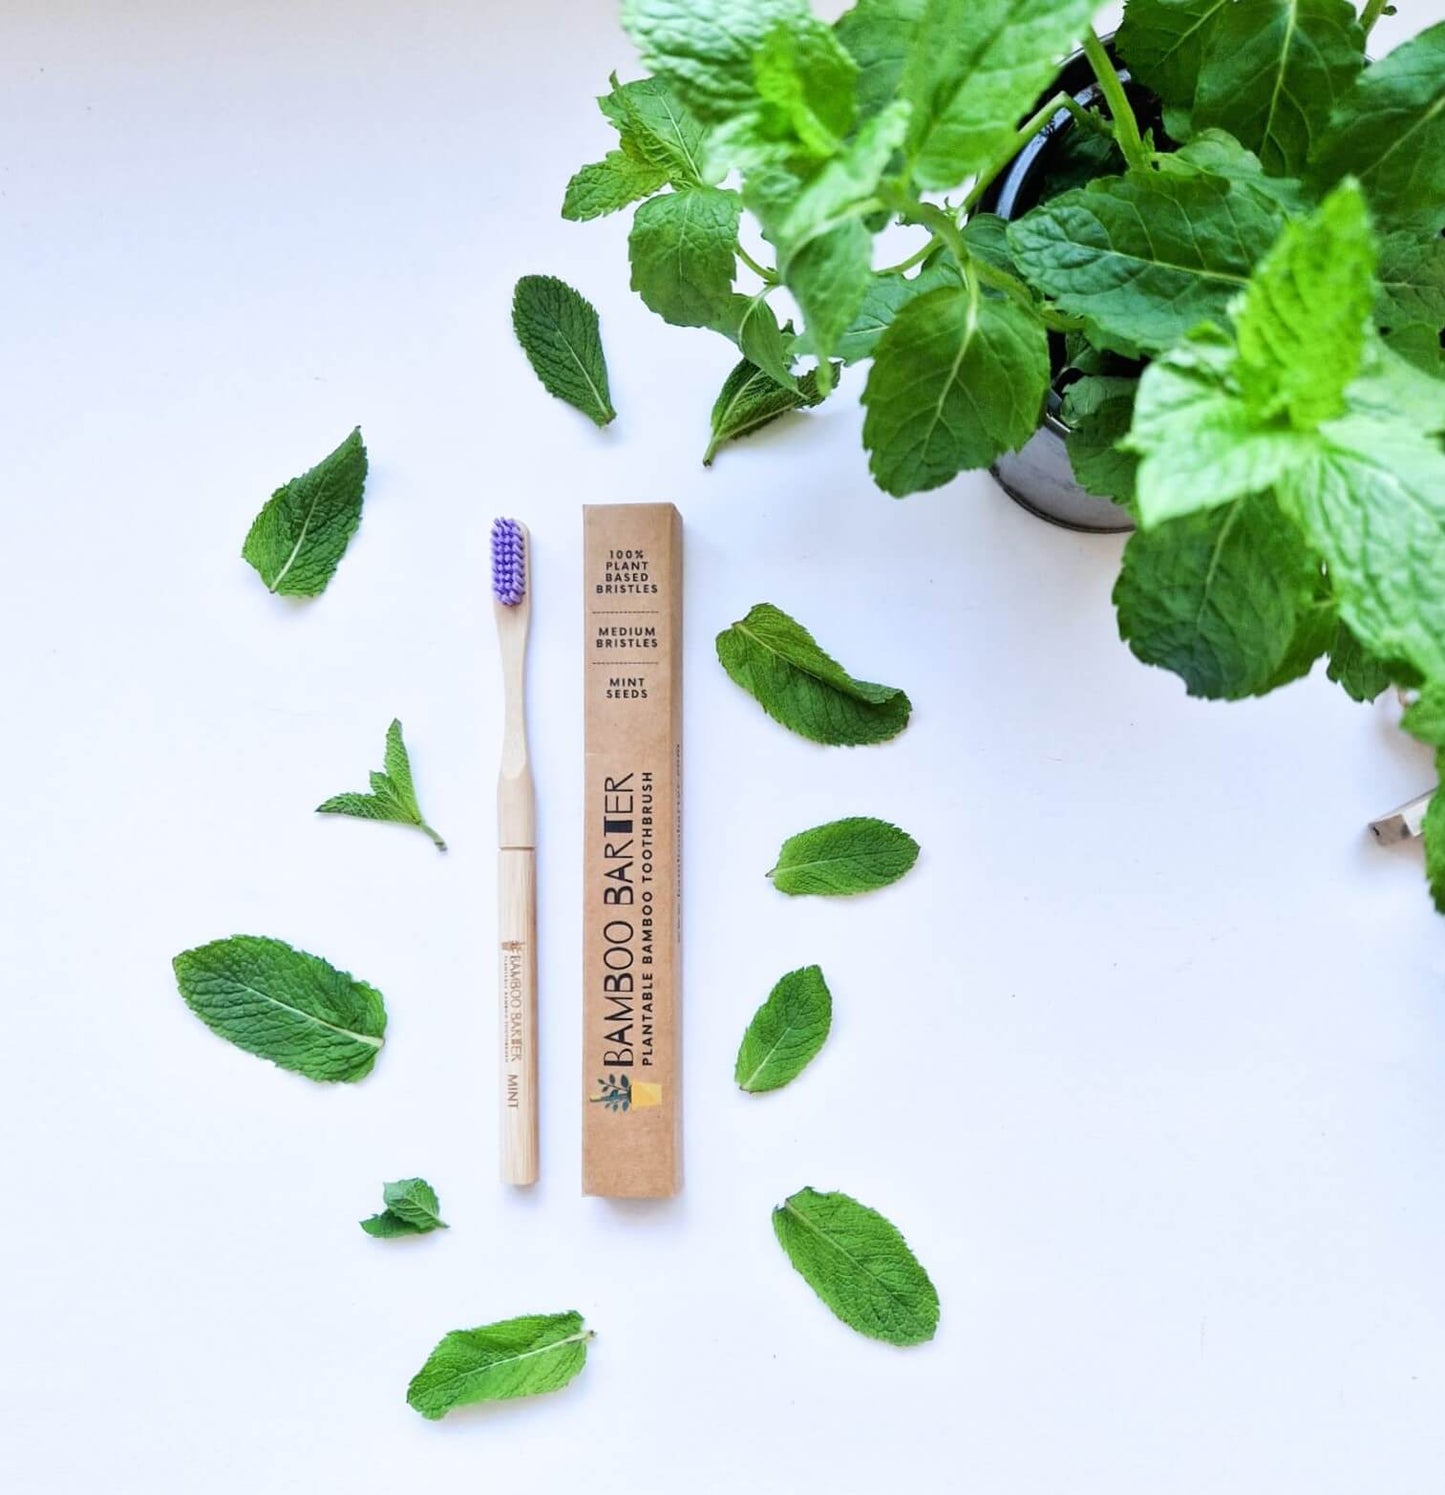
[1227, 279]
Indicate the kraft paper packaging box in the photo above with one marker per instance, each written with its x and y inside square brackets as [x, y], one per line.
[632, 958]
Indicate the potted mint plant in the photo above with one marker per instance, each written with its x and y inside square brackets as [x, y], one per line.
[1203, 266]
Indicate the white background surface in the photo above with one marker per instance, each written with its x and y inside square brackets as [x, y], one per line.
[1147, 1057]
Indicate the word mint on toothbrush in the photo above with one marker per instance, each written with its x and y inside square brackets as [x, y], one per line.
[516, 860]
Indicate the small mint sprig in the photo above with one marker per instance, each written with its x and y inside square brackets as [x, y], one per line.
[393, 795]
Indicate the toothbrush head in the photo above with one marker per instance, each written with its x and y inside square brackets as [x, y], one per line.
[509, 562]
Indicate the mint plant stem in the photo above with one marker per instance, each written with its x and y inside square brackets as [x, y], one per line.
[1032, 126]
[1372, 12]
[763, 272]
[1126, 127]
[917, 258]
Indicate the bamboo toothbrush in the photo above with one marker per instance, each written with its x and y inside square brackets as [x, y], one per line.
[516, 860]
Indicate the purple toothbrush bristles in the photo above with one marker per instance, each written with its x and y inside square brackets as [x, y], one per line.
[509, 562]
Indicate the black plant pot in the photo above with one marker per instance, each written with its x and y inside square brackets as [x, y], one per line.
[1038, 476]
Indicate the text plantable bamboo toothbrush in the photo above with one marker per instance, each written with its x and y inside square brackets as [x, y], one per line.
[516, 860]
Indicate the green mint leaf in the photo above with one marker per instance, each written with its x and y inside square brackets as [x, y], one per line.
[778, 662]
[752, 324]
[1424, 717]
[299, 537]
[1163, 43]
[859, 1265]
[1433, 829]
[1371, 498]
[1098, 410]
[1389, 132]
[393, 795]
[825, 250]
[388, 1227]
[558, 330]
[284, 1005]
[986, 237]
[751, 399]
[1199, 442]
[1217, 596]
[1300, 323]
[657, 128]
[843, 857]
[1412, 279]
[517, 1357]
[806, 82]
[704, 49]
[786, 1032]
[1272, 71]
[883, 298]
[1074, 160]
[1146, 256]
[957, 378]
[414, 1201]
[1314, 629]
[1354, 669]
[609, 185]
[1394, 388]
[974, 69]
[828, 275]
[683, 249]
[877, 35]
[1217, 153]
[1418, 344]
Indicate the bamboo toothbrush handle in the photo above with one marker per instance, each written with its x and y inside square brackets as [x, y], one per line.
[517, 932]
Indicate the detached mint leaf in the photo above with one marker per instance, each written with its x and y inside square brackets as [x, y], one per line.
[704, 49]
[1389, 131]
[1163, 43]
[558, 330]
[957, 378]
[517, 1357]
[1412, 279]
[412, 1208]
[284, 1005]
[859, 1265]
[299, 537]
[1146, 256]
[786, 1032]
[683, 249]
[1272, 71]
[877, 34]
[388, 1227]
[1354, 669]
[973, 70]
[392, 797]
[778, 662]
[751, 399]
[610, 185]
[1217, 596]
[415, 1201]
[657, 128]
[855, 855]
